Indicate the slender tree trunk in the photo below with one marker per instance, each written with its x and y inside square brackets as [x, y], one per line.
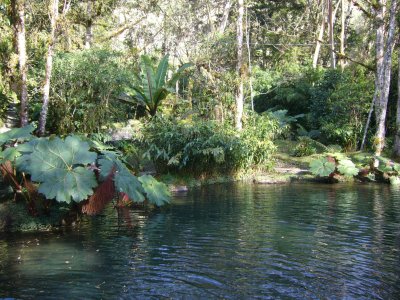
[89, 25]
[239, 67]
[210, 21]
[397, 135]
[49, 67]
[19, 13]
[225, 17]
[371, 109]
[320, 37]
[331, 34]
[383, 72]
[342, 36]
[249, 58]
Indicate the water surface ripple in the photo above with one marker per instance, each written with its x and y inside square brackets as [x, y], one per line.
[222, 241]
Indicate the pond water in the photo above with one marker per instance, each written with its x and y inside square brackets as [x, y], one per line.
[222, 241]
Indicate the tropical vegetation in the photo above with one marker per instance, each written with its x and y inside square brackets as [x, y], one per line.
[95, 92]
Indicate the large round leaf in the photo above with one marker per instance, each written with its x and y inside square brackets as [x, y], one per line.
[322, 167]
[126, 182]
[59, 167]
[17, 134]
[157, 192]
[347, 168]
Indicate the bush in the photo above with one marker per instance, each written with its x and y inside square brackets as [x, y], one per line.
[340, 106]
[307, 146]
[206, 147]
[289, 91]
[85, 88]
[304, 148]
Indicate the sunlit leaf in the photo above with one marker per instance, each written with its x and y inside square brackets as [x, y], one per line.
[60, 168]
[126, 182]
[9, 154]
[322, 167]
[347, 168]
[17, 134]
[157, 192]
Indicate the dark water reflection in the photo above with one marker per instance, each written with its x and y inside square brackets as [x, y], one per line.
[223, 241]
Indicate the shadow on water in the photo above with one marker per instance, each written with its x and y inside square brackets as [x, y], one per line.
[222, 241]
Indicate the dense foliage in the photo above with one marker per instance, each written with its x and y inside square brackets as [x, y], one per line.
[259, 71]
[334, 103]
[206, 147]
[85, 91]
[71, 169]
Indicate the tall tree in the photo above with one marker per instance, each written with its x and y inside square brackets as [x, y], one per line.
[342, 34]
[89, 24]
[320, 36]
[225, 17]
[239, 67]
[331, 21]
[18, 7]
[248, 33]
[397, 134]
[53, 10]
[383, 67]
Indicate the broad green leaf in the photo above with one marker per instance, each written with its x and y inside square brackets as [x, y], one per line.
[162, 72]
[60, 168]
[322, 167]
[396, 167]
[347, 168]
[129, 184]
[394, 180]
[23, 162]
[385, 165]
[108, 161]
[77, 183]
[157, 192]
[17, 134]
[9, 154]
[178, 74]
[148, 78]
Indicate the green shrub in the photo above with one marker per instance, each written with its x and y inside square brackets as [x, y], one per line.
[340, 105]
[84, 91]
[290, 91]
[206, 147]
[304, 148]
[307, 146]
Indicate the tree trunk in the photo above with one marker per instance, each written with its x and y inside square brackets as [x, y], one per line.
[331, 34]
[89, 25]
[239, 68]
[249, 57]
[320, 38]
[342, 36]
[397, 136]
[88, 35]
[225, 17]
[371, 109]
[384, 66]
[210, 21]
[49, 67]
[18, 7]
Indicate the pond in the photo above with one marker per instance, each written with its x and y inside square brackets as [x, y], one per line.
[307, 241]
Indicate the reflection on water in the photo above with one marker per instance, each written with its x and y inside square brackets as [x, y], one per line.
[223, 241]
